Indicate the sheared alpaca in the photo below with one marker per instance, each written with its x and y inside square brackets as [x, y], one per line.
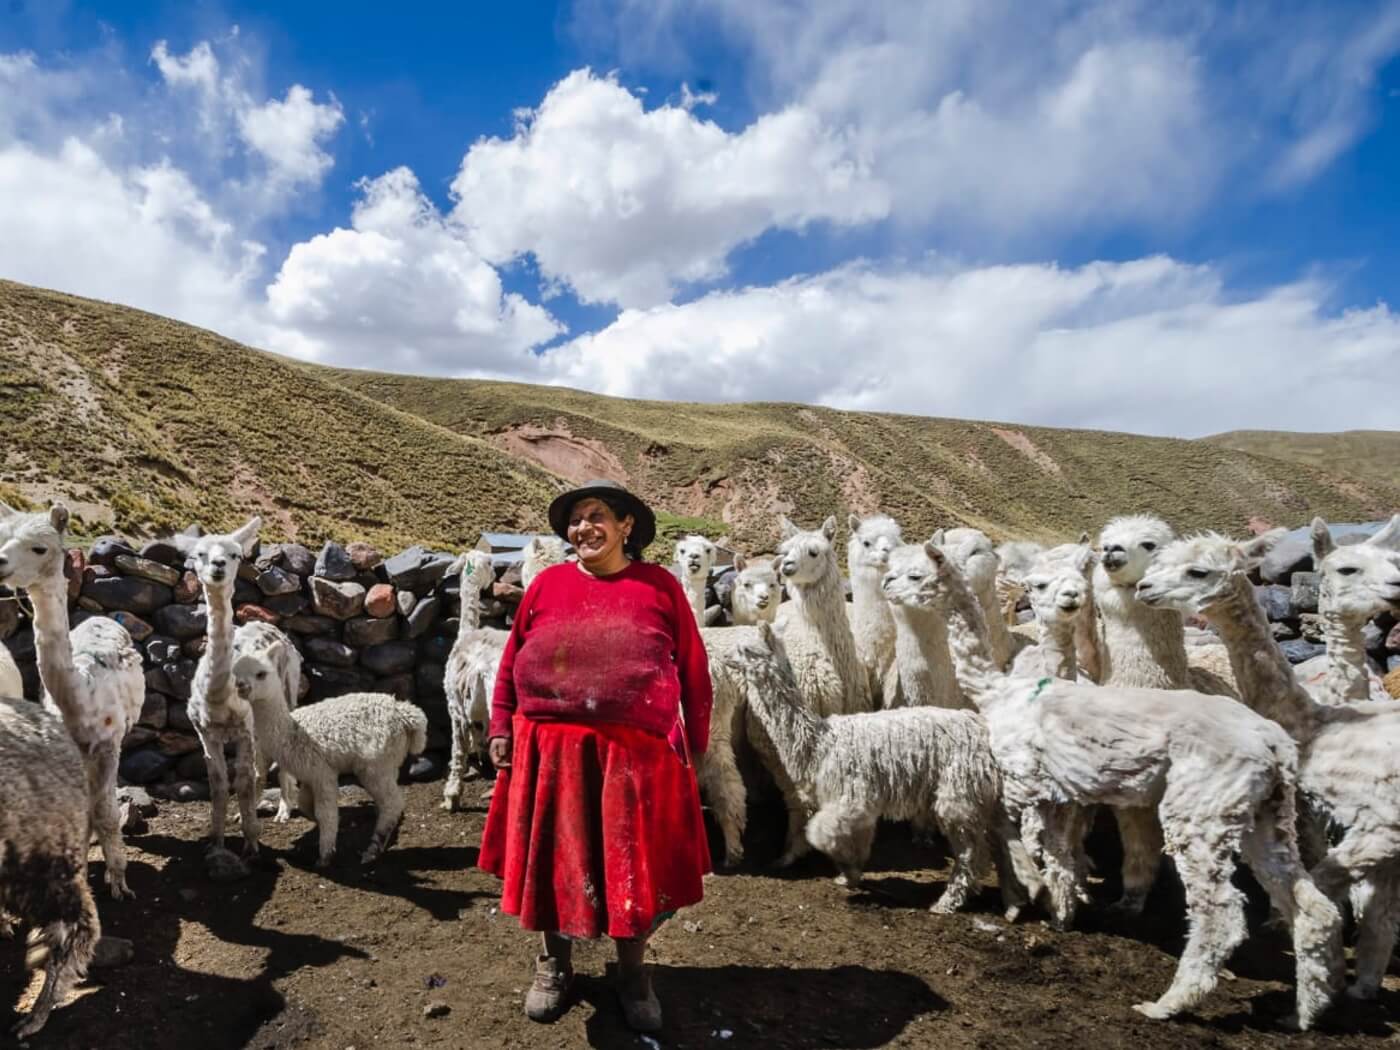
[1349, 771]
[1359, 582]
[92, 677]
[695, 557]
[977, 558]
[1062, 598]
[872, 623]
[43, 851]
[924, 764]
[922, 658]
[470, 676]
[757, 593]
[11, 682]
[1221, 776]
[817, 637]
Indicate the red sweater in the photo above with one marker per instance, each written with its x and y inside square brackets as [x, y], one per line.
[620, 648]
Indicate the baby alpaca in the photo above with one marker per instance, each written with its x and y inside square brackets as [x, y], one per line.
[925, 764]
[43, 850]
[1062, 597]
[695, 557]
[757, 592]
[872, 623]
[267, 642]
[367, 735]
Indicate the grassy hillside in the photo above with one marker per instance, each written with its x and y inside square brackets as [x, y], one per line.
[1368, 454]
[152, 424]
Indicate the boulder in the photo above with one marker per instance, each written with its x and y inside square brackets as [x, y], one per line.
[182, 621]
[1373, 638]
[417, 569]
[312, 625]
[194, 647]
[507, 592]
[397, 685]
[1277, 601]
[245, 591]
[1283, 630]
[379, 600]
[154, 712]
[138, 628]
[338, 600]
[274, 581]
[90, 605]
[132, 593]
[364, 631]
[1291, 554]
[176, 717]
[160, 648]
[144, 765]
[21, 645]
[1299, 649]
[436, 648]
[133, 565]
[330, 652]
[164, 552]
[248, 612]
[287, 604]
[1303, 588]
[105, 549]
[405, 601]
[363, 556]
[333, 563]
[1310, 626]
[390, 658]
[192, 766]
[269, 556]
[427, 678]
[187, 591]
[297, 559]
[176, 744]
[138, 736]
[180, 675]
[424, 615]
[425, 767]
[336, 681]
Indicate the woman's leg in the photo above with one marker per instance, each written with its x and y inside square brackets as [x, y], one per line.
[639, 1003]
[548, 996]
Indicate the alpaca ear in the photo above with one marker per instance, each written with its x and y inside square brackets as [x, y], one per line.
[1388, 537]
[937, 538]
[58, 517]
[184, 543]
[852, 522]
[1255, 549]
[247, 536]
[740, 563]
[458, 564]
[778, 565]
[1084, 539]
[7, 511]
[1322, 542]
[786, 528]
[829, 527]
[536, 547]
[935, 552]
[1084, 558]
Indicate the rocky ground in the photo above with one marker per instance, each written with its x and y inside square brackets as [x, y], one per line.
[414, 953]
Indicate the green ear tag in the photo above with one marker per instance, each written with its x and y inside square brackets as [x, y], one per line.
[1040, 685]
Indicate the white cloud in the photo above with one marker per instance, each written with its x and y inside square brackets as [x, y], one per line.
[625, 204]
[288, 134]
[400, 289]
[1151, 346]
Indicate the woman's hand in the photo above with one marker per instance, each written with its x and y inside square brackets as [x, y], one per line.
[498, 747]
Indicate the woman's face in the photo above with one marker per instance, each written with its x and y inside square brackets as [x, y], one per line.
[596, 532]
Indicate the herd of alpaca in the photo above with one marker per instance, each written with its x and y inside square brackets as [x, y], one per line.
[912, 701]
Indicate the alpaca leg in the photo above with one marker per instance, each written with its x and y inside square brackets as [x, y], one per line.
[1141, 835]
[384, 788]
[65, 947]
[325, 803]
[969, 860]
[1058, 850]
[287, 785]
[106, 817]
[218, 791]
[457, 764]
[1017, 874]
[795, 846]
[723, 785]
[845, 833]
[1080, 822]
[245, 787]
[1215, 912]
[1375, 940]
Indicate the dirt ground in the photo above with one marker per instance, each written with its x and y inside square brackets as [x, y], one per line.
[351, 958]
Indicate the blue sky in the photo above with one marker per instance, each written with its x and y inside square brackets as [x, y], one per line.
[1092, 214]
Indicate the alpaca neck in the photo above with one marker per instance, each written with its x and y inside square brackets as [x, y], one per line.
[469, 618]
[1086, 642]
[1347, 677]
[277, 730]
[1265, 679]
[796, 733]
[1140, 646]
[921, 654]
[978, 673]
[218, 650]
[821, 605]
[695, 593]
[1057, 648]
[868, 600]
[998, 635]
[54, 647]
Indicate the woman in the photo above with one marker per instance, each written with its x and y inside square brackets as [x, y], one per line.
[602, 704]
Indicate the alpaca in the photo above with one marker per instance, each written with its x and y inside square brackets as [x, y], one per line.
[1062, 598]
[872, 623]
[1349, 772]
[367, 735]
[756, 594]
[470, 676]
[977, 559]
[1221, 776]
[1013, 561]
[43, 850]
[92, 677]
[821, 648]
[922, 658]
[219, 715]
[11, 682]
[277, 649]
[1359, 582]
[922, 764]
[695, 557]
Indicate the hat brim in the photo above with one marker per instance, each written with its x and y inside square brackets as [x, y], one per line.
[644, 521]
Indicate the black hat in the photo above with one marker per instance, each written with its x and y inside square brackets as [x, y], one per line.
[644, 529]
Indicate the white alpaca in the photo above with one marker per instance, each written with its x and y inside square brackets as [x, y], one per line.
[11, 682]
[695, 557]
[817, 637]
[470, 675]
[872, 623]
[756, 594]
[977, 559]
[367, 735]
[1013, 561]
[1222, 779]
[927, 765]
[1062, 598]
[267, 642]
[1359, 582]
[92, 677]
[922, 658]
[44, 846]
[1349, 770]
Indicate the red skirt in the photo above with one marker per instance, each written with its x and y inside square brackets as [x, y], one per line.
[595, 829]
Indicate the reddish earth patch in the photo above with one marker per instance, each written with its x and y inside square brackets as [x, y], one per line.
[1028, 448]
[560, 452]
[292, 957]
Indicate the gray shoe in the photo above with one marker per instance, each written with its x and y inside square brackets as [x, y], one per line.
[640, 1007]
[548, 996]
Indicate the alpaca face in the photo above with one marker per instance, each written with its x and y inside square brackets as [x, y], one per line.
[757, 588]
[912, 578]
[1131, 544]
[974, 554]
[1361, 580]
[477, 572]
[31, 545]
[1059, 589]
[1197, 574]
[543, 552]
[216, 558]
[871, 542]
[256, 680]
[805, 557]
[695, 557]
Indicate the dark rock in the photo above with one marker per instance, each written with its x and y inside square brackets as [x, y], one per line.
[269, 556]
[275, 581]
[21, 645]
[156, 679]
[335, 681]
[297, 559]
[138, 628]
[176, 717]
[1373, 638]
[187, 591]
[154, 711]
[363, 631]
[287, 604]
[222, 865]
[137, 798]
[436, 648]
[138, 737]
[105, 549]
[133, 565]
[1291, 554]
[91, 605]
[447, 628]
[435, 707]
[333, 563]
[1282, 630]
[424, 615]
[248, 571]
[416, 569]
[396, 685]
[1300, 649]
[389, 658]
[144, 766]
[1310, 626]
[426, 767]
[182, 621]
[177, 744]
[1392, 640]
[1303, 589]
[164, 552]
[435, 1009]
[180, 675]
[111, 952]
[405, 601]
[427, 678]
[724, 588]
[249, 612]
[309, 624]
[379, 601]
[160, 648]
[132, 593]
[339, 600]
[363, 556]
[9, 613]
[194, 647]
[245, 591]
[193, 766]
[1277, 601]
[330, 652]
[507, 592]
